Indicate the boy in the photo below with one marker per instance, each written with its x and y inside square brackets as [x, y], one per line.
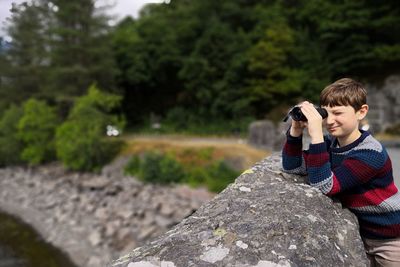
[351, 165]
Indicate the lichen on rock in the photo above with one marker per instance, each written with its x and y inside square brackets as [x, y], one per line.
[265, 218]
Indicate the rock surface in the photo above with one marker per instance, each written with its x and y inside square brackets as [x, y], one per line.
[266, 218]
[94, 218]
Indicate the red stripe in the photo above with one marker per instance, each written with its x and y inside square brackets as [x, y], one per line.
[317, 160]
[386, 168]
[292, 150]
[370, 198]
[336, 186]
[360, 170]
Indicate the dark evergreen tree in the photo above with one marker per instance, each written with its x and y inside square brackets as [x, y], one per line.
[25, 60]
[80, 51]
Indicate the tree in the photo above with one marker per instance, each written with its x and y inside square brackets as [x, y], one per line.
[80, 141]
[25, 59]
[10, 145]
[36, 129]
[80, 50]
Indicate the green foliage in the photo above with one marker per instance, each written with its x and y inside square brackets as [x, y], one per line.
[219, 175]
[36, 129]
[200, 62]
[81, 142]
[133, 166]
[80, 48]
[234, 59]
[58, 49]
[23, 67]
[10, 145]
[155, 167]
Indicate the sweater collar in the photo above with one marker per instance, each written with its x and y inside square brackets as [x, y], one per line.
[350, 146]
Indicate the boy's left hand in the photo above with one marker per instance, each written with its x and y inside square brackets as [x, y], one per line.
[314, 122]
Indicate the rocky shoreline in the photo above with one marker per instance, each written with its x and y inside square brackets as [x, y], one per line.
[94, 218]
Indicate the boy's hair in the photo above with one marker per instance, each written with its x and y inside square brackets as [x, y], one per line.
[344, 92]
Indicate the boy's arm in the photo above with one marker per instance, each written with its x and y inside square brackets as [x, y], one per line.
[357, 168]
[292, 154]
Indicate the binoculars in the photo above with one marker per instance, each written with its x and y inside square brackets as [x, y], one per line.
[296, 114]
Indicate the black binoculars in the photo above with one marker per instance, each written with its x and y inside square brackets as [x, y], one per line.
[296, 114]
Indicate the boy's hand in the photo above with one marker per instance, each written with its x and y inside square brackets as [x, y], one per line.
[314, 123]
[297, 128]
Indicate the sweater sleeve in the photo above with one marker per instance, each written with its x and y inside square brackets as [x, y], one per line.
[357, 168]
[292, 155]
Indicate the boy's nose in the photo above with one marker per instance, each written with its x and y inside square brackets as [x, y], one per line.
[329, 119]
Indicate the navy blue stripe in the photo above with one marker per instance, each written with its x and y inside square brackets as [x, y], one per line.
[387, 218]
[373, 235]
[319, 174]
[371, 157]
[345, 177]
[290, 163]
[317, 148]
[379, 182]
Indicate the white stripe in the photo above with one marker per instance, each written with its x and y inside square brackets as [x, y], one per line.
[388, 205]
[301, 170]
[324, 186]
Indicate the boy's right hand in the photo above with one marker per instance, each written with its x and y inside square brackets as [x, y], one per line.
[297, 128]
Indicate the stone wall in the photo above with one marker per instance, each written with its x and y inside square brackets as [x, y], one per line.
[266, 218]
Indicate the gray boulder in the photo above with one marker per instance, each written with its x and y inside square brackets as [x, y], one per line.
[265, 134]
[266, 218]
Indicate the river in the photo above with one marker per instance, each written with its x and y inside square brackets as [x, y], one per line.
[21, 246]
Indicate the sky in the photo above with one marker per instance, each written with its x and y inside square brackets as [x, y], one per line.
[121, 9]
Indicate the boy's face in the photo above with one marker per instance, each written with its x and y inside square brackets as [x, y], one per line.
[343, 121]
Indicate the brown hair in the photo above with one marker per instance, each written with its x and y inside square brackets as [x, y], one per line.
[344, 92]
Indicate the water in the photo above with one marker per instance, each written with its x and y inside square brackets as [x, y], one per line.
[394, 154]
[21, 246]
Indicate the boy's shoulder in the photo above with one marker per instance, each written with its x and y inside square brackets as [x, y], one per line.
[370, 151]
[369, 143]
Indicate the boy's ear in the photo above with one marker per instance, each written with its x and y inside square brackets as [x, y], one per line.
[362, 112]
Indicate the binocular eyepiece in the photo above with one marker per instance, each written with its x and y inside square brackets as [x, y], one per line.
[296, 114]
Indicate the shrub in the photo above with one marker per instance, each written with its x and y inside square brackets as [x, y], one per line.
[196, 176]
[10, 145]
[219, 175]
[36, 129]
[81, 142]
[133, 166]
[158, 168]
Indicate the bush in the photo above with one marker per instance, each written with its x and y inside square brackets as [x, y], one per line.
[10, 145]
[219, 175]
[133, 166]
[81, 141]
[157, 168]
[36, 129]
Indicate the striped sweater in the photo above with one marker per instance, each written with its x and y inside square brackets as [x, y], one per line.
[359, 175]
